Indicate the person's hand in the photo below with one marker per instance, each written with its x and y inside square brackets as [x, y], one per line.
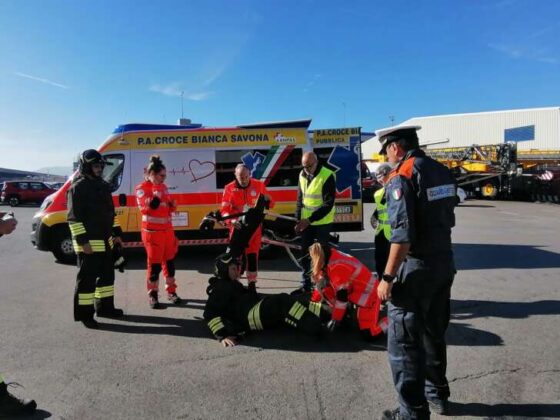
[236, 225]
[229, 341]
[384, 290]
[7, 226]
[302, 225]
[87, 249]
[117, 240]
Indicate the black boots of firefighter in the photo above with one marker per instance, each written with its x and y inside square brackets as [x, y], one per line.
[11, 406]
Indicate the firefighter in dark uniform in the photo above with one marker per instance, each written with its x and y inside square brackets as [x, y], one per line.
[95, 231]
[421, 197]
[233, 310]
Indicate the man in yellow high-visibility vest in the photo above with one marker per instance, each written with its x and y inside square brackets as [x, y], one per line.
[315, 209]
[383, 229]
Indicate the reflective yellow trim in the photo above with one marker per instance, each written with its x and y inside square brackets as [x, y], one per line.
[315, 308]
[297, 310]
[85, 299]
[77, 228]
[254, 317]
[215, 324]
[104, 292]
[116, 222]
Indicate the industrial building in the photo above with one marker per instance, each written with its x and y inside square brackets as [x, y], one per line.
[535, 131]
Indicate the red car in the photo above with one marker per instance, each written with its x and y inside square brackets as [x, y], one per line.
[15, 193]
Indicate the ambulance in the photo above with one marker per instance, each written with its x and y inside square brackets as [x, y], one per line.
[200, 161]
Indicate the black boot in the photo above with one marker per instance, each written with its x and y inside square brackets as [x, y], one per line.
[11, 405]
[110, 313]
[90, 323]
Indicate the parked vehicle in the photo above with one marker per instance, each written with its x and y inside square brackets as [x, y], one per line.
[200, 161]
[15, 193]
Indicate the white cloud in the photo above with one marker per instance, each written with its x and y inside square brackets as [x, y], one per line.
[171, 89]
[41, 80]
[175, 89]
[519, 52]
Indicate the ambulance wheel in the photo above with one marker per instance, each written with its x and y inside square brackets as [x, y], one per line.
[62, 247]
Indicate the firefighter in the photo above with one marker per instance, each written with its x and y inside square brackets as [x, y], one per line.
[158, 236]
[421, 197]
[383, 229]
[95, 229]
[340, 279]
[239, 196]
[232, 310]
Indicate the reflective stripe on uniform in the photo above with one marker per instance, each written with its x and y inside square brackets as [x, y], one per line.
[357, 268]
[116, 222]
[104, 292]
[97, 245]
[216, 324]
[315, 308]
[254, 317]
[85, 299]
[157, 220]
[290, 322]
[367, 291]
[297, 310]
[76, 228]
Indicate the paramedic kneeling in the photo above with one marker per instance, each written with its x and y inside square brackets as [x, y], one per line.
[420, 203]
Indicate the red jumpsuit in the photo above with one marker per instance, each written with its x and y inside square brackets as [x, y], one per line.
[237, 199]
[351, 281]
[158, 234]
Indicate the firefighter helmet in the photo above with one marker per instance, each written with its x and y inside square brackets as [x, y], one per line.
[221, 266]
[90, 157]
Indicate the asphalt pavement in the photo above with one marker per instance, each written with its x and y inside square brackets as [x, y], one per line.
[503, 340]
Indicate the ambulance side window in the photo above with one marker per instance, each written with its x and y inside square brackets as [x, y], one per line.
[113, 174]
[226, 161]
[288, 173]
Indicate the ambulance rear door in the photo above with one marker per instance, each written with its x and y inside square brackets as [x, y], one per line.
[117, 174]
[339, 149]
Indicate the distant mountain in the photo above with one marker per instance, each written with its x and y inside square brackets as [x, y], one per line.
[57, 170]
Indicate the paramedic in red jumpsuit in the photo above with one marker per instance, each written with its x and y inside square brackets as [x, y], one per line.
[341, 279]
[240, 195]
[156, 207]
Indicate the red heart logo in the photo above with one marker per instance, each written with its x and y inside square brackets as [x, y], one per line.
[200, 170]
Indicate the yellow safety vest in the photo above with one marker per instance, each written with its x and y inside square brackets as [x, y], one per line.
[382, 215]
[313, 196]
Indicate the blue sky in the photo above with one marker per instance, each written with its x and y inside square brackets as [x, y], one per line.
[72, 70]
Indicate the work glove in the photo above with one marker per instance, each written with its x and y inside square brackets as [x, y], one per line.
[154, 204]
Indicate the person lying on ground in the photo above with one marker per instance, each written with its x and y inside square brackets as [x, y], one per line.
[232, 310]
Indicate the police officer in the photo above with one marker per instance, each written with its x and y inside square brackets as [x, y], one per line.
[419, 273]
[95, 230]
[383, 229]
[314, 210]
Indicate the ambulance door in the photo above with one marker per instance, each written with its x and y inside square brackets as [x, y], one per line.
[117, 174]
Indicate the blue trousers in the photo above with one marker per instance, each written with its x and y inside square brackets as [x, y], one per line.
[419, 314]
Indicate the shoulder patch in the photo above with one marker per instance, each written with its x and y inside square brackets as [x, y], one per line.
[440, 192]
[396, 194]
[140, 193]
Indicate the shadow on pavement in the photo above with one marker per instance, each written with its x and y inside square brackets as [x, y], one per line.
[38, 414]
[502, 410]
[468, 309]
[460, 334]
[290, 340]
[159, 326]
